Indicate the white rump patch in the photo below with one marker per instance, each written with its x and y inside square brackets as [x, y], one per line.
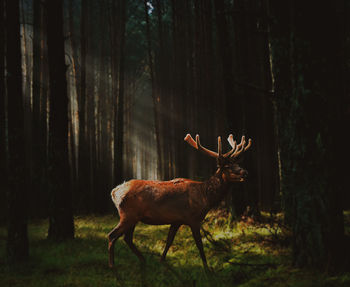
[119, 192]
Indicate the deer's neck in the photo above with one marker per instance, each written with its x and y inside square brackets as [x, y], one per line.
[215, 189]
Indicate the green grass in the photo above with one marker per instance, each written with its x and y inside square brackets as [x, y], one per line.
[241, 254]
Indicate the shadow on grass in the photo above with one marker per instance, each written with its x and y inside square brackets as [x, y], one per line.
[154, 273]
[174, 272]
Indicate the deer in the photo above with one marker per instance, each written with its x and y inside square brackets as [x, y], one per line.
[176, 202]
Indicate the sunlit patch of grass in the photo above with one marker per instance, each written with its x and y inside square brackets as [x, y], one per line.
[244, 253]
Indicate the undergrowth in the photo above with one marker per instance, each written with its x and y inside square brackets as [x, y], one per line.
[244, 253]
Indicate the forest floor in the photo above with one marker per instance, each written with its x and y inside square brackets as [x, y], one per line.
[243, 253]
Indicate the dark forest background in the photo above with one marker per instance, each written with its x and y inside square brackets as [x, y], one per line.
[94, 93]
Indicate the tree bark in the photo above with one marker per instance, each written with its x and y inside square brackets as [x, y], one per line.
[17, 240]
[61, 218]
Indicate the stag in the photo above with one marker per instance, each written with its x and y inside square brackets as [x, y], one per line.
[176, 202]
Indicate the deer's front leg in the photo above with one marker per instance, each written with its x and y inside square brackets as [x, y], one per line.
[128, 239]
[198, 239]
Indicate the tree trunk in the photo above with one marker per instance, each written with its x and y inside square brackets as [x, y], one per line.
[181, 17]
[311, 121]
[27, 65]
[17, 241]
[44, 117]
[160, 74]
[153, 84]
[115, 55]
[61, 219]
[38, 126]
[225, 48]
[74, 90]
[91, 61]
[83, 144]
[74, 47]
[204, 76]
[119, 173]
[3, 126]
[104, 110]
[269, 192]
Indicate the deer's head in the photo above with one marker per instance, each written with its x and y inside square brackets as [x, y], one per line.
[228, 163]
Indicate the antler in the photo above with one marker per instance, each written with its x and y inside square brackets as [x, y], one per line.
[240, 148]
[232, 144]
[219, 147]
[197, 145]
[233, 153]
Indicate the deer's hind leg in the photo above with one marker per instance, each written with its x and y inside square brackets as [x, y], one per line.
[118, 231]
[128, 238]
